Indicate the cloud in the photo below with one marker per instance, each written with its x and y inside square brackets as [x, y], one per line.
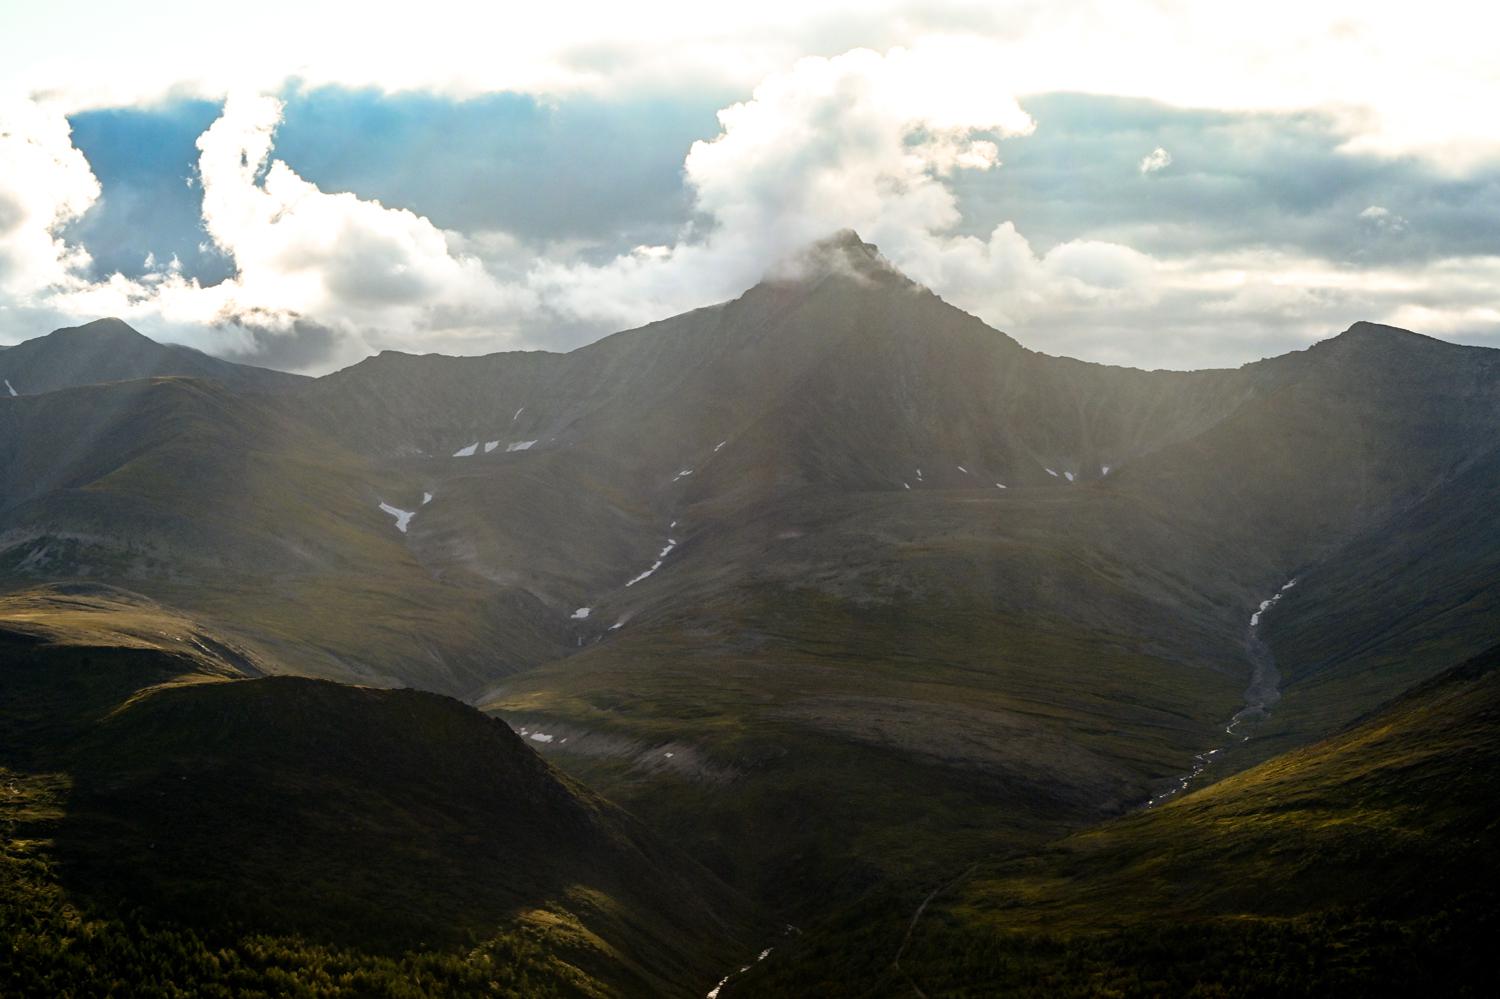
[862, 140]
[1275, 55]
[1382, 218]
[45, 184]
[305, 259]
[1157, 159]
[1267, 242]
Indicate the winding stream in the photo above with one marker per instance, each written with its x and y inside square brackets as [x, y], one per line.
[1263, 692]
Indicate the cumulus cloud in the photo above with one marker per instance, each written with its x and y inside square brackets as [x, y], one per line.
[45, 184]
[1157, 159]
[877, 142]
[1281, 54]
[1382, 218]
[305, 259]
[862, 141]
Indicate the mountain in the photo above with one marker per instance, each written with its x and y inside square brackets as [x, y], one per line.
[1353, 866]
[107, 350]
[832, 586]
[252, 831]
[220, 501]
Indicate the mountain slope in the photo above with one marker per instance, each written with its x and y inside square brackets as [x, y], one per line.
[107, 350]
[165, 788]
[1360, 865]
[221, 502]
[832, 534]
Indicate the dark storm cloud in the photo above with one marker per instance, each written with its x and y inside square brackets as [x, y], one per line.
[306, 345]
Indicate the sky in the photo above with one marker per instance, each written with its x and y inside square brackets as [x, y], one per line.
[1159, 184]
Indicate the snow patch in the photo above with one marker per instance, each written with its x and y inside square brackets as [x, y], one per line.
[518, 414]
[1000, 485]
[682, 474]
[426, 498]
[719, 445]
[11, 387]
[906, 484]
[660, 558]
[1068, 476]
[467, 451]
[403, 517]
[520, 446]
[1051, 473]
[962, 469]
[617, 625]
[581, 613]
[1104, 469]
[540, 737]
[490, 446]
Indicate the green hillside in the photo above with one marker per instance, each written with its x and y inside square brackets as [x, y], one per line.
[173, 821]
[1361, 865]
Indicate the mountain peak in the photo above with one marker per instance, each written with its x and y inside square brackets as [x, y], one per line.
[844, 253]
[107, 327]
[1368, 329]
[1381, 339]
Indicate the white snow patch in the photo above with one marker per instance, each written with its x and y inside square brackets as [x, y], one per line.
[1104, 469]
[906, 484]
[518, 414]
[1051, 473]
[719, 445]
[669, 755]
[490, 446]
[682, 474]
[1068, 476]
[426, 498]
[581, 613]
[1000, 485]
[11, 387]
[403, 517]
[919, 475]
[962, 469]
[672, 525]
[467, 451]
[520, 446]
[540, 737]
[660, 558]
[617, 625]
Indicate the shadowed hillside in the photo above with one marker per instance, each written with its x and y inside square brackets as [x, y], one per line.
[1361, 865]
[833, 586]
[157, 790]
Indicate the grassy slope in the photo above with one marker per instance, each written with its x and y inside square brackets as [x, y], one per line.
[932, 677]
[168, 823]
[225, 504]
[1363, 864]
[1419, 592]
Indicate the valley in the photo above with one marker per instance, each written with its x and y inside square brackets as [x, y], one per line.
[828, 607]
